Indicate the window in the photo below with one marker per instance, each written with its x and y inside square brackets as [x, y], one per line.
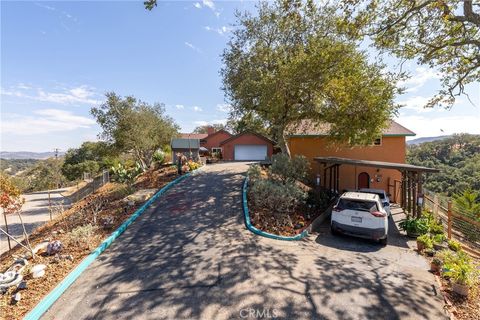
[358, 205]
[216, 150]
[377, 142]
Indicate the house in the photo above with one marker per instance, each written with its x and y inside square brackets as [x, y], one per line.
[188, 147]
[311, 140]
[243, 146]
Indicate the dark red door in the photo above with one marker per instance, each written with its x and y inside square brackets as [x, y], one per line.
[363, 180]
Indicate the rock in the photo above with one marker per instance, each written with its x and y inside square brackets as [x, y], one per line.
[54, 247]
[18, 265]
[38, 270]
[7, 277]
[3, 290]
[22, 285]
[107, 222]
[10, 279]
[16, 298]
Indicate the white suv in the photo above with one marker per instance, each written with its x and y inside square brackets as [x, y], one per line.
[360, 214]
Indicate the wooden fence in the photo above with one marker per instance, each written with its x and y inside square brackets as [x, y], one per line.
[459, 226]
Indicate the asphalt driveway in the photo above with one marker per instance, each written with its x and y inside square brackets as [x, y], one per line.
[190, 257]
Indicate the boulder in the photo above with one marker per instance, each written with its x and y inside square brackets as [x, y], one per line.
[54, 247]
[38, 270]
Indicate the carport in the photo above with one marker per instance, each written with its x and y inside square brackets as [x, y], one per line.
[410, 185]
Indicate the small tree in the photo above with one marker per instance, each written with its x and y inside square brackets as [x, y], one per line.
[11, 202]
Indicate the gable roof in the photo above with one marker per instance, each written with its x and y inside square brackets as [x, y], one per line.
[179, 143]
[247, 132]
[193, 135]
[309, 128]
[221, 130]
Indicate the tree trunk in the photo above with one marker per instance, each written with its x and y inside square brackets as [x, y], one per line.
[282, 141]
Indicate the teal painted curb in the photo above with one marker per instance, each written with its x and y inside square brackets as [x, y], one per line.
[250, 227]
[48, 301]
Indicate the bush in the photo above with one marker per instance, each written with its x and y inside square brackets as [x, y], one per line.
[414, 225]
[159, 157]
[460, 267]
[124, 175]
[454, 245]
[426, 240]
[289, 169]
[83, 235]
[280, 199]
[254, 173]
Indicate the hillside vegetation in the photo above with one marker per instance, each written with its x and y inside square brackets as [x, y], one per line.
[457, 157]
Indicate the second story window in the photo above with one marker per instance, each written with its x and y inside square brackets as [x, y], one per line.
[377, 142]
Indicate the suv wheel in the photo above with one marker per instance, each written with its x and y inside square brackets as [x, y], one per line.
[383, 241]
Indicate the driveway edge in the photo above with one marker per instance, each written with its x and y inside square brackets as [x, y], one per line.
[53, 296]
[250, 227]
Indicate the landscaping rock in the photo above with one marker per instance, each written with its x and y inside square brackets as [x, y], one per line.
[38, 270]
[16, 298]
[18, 265]
[10, 279]
[54, 247]
[22, 285]
[140, 196]
[108, 222]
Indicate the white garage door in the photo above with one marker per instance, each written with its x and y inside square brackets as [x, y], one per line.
[250, 152]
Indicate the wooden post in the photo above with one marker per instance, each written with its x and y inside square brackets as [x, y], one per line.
[414, 195]
[337, 173]
[420, 193]
[49, 205]
[409, 193]
[449, 223]
[325, 176]
[404, 190]
[435, 205]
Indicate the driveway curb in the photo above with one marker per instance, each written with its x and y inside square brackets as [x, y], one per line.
[53, 296]
[250, 227]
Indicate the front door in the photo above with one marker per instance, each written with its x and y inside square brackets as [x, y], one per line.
[363, 180]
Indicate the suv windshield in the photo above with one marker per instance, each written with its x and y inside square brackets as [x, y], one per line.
[359, 205]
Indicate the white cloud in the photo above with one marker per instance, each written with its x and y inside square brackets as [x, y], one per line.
[197, 109]
[221, 31]
[419, 78]
[219, 121]
[180, 106]
[223, 107]
[200, 123]
[44, 121]
[209, 3]
[76, 95]
[206, 123]
[191, 46]
[426, 126]
[197, 5]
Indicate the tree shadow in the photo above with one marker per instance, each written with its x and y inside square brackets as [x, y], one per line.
[190, 257]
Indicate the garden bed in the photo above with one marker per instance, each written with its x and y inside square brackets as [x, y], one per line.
[75, 229]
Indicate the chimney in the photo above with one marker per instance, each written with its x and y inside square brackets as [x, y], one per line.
[210, 130]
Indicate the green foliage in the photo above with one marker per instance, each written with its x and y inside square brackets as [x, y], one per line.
[414, 225]
[280, 199]
[83, 235]
[192, 165]
[460, 268]
[134, 126]
[442, 35]
[159, 157]
[439, 238]
[457, 157]
[454, 245]
[204, 129]
[290, 62]
[90, 158]
[46, 174]
[289, 170]
[467, 203]
[426, 240]
[126, 175]
[254, 173]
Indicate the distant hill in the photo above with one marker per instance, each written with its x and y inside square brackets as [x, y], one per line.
[28, 155]
[426, 139]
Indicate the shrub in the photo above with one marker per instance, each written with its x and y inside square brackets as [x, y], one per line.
[83, 235]
[319, 199]
[426, 240]
[454, 245]
[414, 225]
[124, 175]
[289, 169]
[460, 267]
[254, 173]
[280, 199]
[159, 157]
[192, 165]
[439, 238]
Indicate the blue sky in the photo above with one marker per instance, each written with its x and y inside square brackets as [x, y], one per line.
[59, 58]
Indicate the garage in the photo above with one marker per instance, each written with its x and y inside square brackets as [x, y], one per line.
[250, 152]
[247, 146]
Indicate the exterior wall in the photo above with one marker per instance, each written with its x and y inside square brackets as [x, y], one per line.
[215, 140]
[249, 139]
[186, 153]
[392, 149]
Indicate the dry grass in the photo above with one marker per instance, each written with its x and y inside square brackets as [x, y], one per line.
[61, 228]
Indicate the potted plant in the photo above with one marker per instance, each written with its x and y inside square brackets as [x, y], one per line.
[436, 265]
[454, 245]
[414, 227]
[439, 242]
[424, 242]
[462, 272]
